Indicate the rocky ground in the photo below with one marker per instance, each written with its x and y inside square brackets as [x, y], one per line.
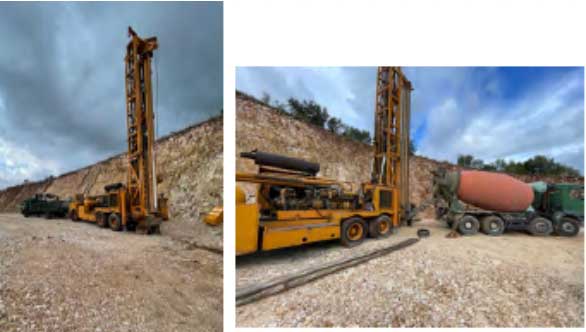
[57, 275]
[515, 280]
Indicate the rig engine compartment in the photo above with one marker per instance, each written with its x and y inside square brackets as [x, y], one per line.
[307, 198]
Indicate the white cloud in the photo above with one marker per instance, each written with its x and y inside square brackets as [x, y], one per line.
[546, 120]
[18, 164]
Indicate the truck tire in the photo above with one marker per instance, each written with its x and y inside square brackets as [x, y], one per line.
[353, 231]
[567, 227]
[468, 225]
[492, 225]
[102, 219]
[48, 215]
[115, 222]
[540, 226]
[380, 226]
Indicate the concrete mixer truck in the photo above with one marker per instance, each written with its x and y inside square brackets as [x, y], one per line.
[471, 201]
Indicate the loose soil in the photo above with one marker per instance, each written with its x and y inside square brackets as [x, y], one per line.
[59, 275]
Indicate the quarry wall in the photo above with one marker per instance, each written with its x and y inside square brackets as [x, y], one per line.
[189, 163]
[260, 126]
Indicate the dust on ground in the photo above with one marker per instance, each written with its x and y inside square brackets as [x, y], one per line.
[514, 280]
[58, 275]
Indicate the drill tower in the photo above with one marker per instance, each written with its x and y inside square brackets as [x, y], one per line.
[141, 177]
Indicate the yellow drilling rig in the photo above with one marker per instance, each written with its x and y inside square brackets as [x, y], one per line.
[135, 205]
[294, 206]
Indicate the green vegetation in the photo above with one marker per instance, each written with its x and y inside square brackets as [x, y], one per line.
[311, 112]
[538, 165]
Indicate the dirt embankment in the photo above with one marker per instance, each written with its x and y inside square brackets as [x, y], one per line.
[260, 126]
[190, 164]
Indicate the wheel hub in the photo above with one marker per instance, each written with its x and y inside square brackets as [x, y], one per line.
[354, 232]
[383, 227]
[568, 227]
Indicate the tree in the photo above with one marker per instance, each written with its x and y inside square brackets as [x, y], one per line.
[412, 148]
[335, 125]
[309, 111]
[357, 134]
[266, 98]
[537, 165]
[541, 165]
[477, 164]
[281, 108]
[465, 160]
[500, 165]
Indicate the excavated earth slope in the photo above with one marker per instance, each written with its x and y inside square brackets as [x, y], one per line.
[189, 163]
[260, 126]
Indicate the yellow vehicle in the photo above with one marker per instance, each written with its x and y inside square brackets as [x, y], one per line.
[110, 210]
[136, 204]
[293, 206]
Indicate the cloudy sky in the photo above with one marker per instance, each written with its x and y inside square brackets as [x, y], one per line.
[62, 78]
[510, 113]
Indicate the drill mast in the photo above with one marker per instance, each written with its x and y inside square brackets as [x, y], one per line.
[391, 136]
[141, 176]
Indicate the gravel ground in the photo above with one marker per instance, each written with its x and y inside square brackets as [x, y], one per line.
[510, 281]
[57, 275]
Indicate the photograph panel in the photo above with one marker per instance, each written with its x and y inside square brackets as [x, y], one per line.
[409, 197]
[111, 157]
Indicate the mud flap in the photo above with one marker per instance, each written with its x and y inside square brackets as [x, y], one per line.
[149, 225]
[454, 229]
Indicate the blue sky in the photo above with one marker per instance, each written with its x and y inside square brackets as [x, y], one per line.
[504, 112]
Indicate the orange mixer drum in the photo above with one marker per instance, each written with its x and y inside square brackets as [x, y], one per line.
[494, 191]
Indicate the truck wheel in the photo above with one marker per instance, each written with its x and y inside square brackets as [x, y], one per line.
[567, 227]
[115, 222]
[353, 232]
[48, 215]
[540, 226]
[468, 225]
[492, 225]
[102, 220]
[381, 226]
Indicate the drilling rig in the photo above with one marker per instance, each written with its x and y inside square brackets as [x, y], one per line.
[136, 204]
[294, 206]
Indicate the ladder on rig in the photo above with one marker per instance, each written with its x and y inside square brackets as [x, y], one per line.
[391, 136]
[141, 175]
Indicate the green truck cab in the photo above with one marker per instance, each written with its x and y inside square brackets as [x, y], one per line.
[563, 204]
[44, 204]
